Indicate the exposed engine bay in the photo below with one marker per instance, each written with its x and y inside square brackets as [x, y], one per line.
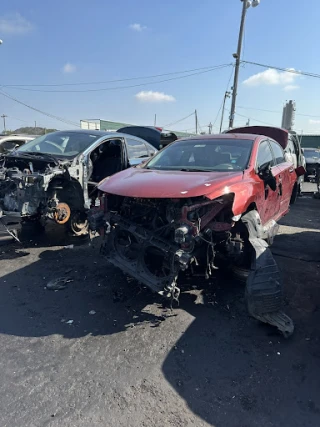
[157, 241]
[33, 185]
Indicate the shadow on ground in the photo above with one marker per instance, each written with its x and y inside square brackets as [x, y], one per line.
[233, 368]
[228, 368]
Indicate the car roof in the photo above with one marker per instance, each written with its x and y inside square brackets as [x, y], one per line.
[249, 136]
[98, 133]
[102, 133]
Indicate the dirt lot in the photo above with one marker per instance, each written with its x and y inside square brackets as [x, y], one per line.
[132, 363]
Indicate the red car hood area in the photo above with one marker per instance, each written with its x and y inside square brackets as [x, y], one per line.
[145, 183]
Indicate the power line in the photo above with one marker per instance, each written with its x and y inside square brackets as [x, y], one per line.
[113, 81]
[16, 118]
[277, 112]
[213, 125]
[123, 87]
[39, 111]
[180, 120]
[290, 70]
[251, 118]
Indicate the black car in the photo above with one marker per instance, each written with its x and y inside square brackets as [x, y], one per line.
[312, 156]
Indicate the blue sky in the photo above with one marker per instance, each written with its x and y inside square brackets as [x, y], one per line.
[74, 41]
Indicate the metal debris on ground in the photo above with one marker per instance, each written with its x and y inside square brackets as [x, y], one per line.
[58, 284]
[11, 233]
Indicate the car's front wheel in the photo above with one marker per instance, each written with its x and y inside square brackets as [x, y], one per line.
[78, 223]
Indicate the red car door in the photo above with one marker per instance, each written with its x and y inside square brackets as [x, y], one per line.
[268, 201]
[286, 177]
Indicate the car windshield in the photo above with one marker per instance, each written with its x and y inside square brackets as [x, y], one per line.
[64, 144]
[204, 155]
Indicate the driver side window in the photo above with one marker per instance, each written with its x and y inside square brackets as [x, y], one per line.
[265, 156]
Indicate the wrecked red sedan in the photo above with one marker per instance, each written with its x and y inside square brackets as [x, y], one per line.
[201, 203]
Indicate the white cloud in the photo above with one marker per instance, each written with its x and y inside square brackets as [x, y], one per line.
[137, 27]
[150, 96]
[14, 24]
[314, 122]
[289, 88]
[69, 68]
[272, 77]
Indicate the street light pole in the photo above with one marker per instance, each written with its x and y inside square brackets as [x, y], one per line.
[245, 5]
[226, 95]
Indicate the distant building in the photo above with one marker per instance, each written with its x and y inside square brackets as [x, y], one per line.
[309, 140]
[288, 115]
[106, 125]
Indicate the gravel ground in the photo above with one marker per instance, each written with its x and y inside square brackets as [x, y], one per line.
[104, 352]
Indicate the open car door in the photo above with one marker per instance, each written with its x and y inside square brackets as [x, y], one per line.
[278, 134]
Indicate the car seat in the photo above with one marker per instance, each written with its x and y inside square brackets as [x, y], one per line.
[107, 163]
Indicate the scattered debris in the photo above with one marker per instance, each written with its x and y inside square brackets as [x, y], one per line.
[58, 284]
[92, 312]
[69, 322]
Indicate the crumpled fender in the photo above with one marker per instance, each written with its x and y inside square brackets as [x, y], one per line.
[264, 288]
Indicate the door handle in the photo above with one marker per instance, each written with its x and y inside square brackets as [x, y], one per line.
[291, 170]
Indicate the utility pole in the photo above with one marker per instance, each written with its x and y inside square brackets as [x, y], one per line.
[196, 119]
[4, 123]
[248, 122]
[155, 120]
[226, 95]
[210, 128]
[35, 125]
[245, 5]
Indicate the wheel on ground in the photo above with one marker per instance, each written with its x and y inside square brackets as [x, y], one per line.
[36, 224]
[78, 223]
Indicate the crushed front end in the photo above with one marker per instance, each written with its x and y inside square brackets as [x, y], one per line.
[24, 184]
[157, 240]
[154, 240]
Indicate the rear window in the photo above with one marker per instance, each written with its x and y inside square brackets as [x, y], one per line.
[204, 155]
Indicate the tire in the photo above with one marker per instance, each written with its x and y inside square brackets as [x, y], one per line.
[240, 273]
[294, 194]
[33, 224]
[78, 224]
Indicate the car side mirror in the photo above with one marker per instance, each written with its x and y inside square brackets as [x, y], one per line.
[265, 173]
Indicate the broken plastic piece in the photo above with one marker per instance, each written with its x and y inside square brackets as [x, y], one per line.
[58, 284]
[264, 289]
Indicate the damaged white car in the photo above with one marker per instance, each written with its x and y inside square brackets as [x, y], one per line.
[55, 176]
